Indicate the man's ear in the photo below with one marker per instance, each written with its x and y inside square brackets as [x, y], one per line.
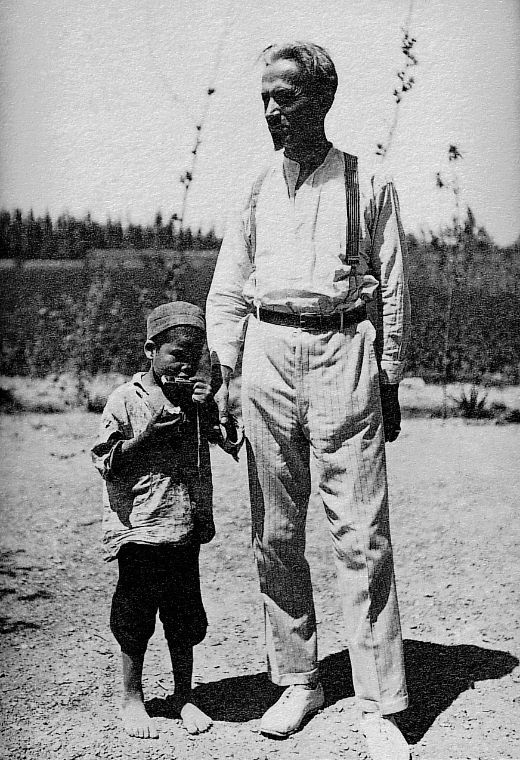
[149, 349]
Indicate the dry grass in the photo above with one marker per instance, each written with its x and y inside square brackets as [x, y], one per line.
[56, 393]
[61, 393]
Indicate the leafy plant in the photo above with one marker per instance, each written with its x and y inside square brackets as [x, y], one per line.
[472, 405]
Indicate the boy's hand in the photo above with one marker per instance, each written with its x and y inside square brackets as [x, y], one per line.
[201, 390]
[161, 426]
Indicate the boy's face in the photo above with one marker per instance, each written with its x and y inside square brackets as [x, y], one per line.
[179, 355]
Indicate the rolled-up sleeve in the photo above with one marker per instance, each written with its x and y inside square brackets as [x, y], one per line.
[388, 252]
[226, 307]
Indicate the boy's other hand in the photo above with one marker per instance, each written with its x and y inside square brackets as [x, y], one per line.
[162, 425]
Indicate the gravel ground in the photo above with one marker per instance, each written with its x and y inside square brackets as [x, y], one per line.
[455, 495]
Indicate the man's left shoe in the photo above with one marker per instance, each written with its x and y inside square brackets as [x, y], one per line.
[384, 739]
[287, 715]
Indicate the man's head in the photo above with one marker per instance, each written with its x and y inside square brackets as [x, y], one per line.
[299, 83]
[175, 338]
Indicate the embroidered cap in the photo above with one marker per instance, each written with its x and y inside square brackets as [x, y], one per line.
[172, 315]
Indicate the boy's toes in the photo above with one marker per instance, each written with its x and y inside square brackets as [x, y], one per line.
[194, 720]
[137, 722]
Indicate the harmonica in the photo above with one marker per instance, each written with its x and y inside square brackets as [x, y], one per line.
[182, 381]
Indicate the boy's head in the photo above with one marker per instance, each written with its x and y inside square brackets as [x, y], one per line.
[175, 337]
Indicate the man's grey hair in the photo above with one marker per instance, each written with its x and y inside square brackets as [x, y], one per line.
[315, 64]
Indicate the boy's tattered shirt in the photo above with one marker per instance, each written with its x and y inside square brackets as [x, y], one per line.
[167, 496]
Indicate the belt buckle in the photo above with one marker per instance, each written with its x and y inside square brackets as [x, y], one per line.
[308, 320]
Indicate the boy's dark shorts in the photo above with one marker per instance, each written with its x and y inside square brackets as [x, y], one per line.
[164, 579]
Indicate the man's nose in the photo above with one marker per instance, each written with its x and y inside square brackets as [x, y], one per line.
[272, 108]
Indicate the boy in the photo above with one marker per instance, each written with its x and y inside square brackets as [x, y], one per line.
[153, 454]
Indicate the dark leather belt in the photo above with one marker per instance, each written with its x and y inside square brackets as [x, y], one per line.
[312, 321]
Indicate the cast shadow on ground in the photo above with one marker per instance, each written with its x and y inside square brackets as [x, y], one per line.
[437, 674]
[14, 626]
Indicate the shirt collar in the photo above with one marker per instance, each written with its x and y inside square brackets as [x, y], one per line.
[137, 380]
[293, 165]
[291, 169]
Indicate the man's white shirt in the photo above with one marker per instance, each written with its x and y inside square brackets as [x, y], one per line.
[299, 261]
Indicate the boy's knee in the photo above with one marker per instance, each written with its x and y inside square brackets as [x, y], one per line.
[185, 632]
[131, 629]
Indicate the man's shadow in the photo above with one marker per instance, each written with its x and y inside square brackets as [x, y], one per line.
[436, 675]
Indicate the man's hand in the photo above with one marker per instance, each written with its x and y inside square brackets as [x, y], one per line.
[222, 395]
[391, 411]
[205, 531]
[222, 401]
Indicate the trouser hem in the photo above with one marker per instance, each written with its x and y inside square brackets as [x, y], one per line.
[291, 679]
[135, 653]
[385, 708]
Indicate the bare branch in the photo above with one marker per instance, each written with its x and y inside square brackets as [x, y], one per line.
[187, 178]
[405, 81]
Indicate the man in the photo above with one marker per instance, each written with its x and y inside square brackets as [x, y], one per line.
[311, 385]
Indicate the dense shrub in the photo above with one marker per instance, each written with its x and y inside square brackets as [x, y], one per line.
[88, 317]
[82, 319]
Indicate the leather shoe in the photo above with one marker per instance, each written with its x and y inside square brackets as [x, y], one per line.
[384, 739]
[287, 715]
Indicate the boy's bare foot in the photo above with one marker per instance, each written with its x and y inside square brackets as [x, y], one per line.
[136, 720]
[194, 720]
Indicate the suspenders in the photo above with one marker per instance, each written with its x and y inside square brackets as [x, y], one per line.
[352, 198]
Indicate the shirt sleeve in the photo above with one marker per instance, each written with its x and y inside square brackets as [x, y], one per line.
[226, 307]
[114, 428]
[388, 260]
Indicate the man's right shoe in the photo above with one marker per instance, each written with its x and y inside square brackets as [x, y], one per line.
[384, 739]
[287, 715]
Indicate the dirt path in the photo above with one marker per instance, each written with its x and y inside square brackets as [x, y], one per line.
[455, 496]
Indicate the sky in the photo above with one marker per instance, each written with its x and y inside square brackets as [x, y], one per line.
[99, 103]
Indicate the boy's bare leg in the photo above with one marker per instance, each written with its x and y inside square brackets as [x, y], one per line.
[194, 720]
[136, 720]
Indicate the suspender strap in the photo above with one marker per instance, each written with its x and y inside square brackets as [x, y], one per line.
[255, 192]
[352, 197]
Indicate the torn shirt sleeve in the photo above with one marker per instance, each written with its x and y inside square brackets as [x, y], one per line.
[114, 428]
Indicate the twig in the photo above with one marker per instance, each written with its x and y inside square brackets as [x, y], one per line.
[454, 186]
[406, 81]
[187, 177]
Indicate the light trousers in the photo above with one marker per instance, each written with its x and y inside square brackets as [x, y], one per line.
[307, 392]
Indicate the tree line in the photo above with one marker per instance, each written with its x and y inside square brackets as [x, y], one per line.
[464, 290]
[24, 236]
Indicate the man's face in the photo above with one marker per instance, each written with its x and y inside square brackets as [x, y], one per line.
[179, 356]
[293, 115]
